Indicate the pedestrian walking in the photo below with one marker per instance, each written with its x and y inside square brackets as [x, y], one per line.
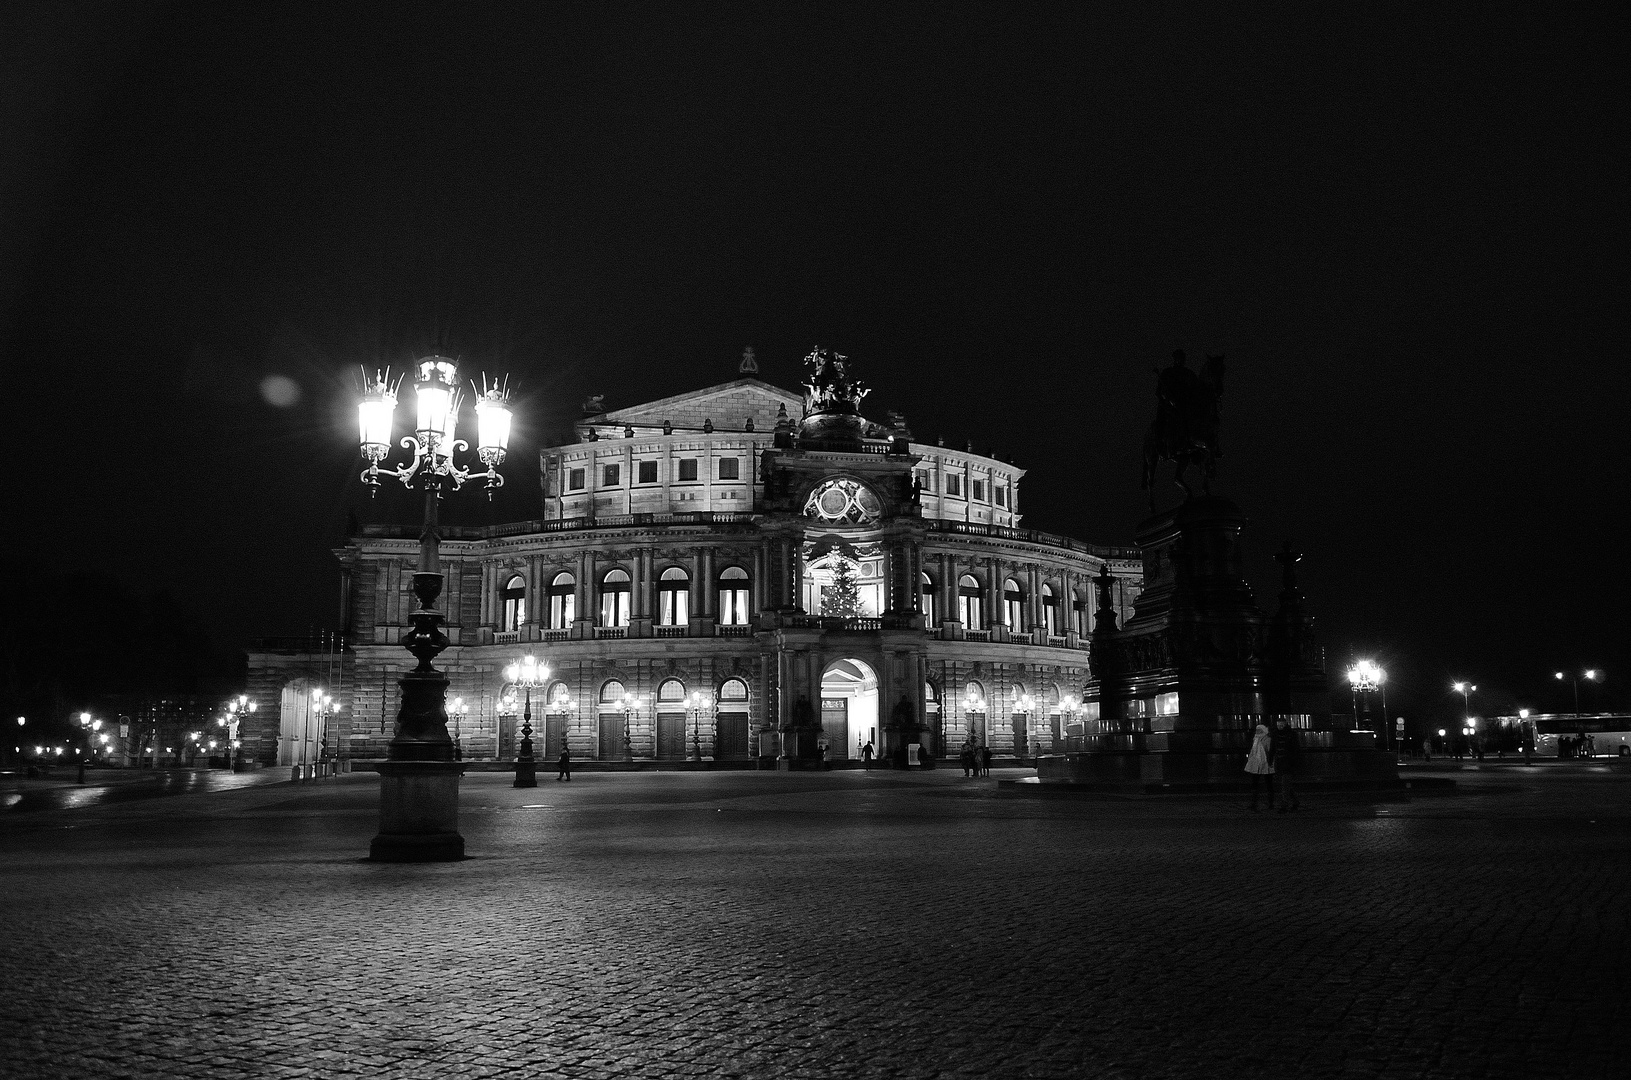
[1427, 748]
[965, 757]
[1284, 752]
[1258, 767]
[563, 765]
[985, 761]
[866, 755]
[821, 748]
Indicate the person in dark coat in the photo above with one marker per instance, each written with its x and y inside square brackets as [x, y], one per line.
[563, 765]
[1285, 753]
[985, 761]
[866, 755]
[966, 759]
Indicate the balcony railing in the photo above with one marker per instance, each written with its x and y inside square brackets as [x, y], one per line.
[972, 528]
[977, 635]
[734, 630]
[820, 622]
[507, 637]
[611, 631]
[672, 631]
[555, 635]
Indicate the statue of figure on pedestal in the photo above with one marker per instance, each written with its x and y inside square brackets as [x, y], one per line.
[1185, 430]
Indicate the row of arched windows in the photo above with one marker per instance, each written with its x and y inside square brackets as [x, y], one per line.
[733, 694]
[971, 606]
[616, 592]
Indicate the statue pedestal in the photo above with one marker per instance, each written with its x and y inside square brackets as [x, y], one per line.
[418, 812]
[1180, 689]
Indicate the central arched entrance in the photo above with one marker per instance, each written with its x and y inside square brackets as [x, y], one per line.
[849, 708]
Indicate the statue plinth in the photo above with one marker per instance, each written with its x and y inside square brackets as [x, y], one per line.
[1180, 688]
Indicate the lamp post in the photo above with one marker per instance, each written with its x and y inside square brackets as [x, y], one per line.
[1465, 689]
[1027, 705]
[698, 701]
[973, 703]
[419, 783]
[1590, 675]
[526, 673]
[1366, 677]
[237, 709]
[631, 708]
[84, 756]
[458, 710]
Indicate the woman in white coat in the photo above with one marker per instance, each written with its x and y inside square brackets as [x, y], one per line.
[1259, 767]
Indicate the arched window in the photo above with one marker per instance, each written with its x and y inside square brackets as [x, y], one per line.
[1050, 610]
[970, 609]
[515, 604]
[614, 598]
[926, 588]
[674, 597]
[733, 694]
[733, 596]
[671, 693]
[611, 693]
[1013, 606]
[562, 601]
[559, 696]
[974, 696]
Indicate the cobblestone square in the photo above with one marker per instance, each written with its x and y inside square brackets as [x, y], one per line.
[824, 925]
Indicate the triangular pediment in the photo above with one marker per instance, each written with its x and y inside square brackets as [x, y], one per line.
[728, 405]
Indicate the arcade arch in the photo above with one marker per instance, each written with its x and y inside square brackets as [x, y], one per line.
[849, 708]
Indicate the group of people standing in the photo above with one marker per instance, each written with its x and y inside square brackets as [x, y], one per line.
[975, 759]
[1272, 763]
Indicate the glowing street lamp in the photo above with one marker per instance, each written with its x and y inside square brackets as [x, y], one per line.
[526, 673]
[419, 784]
[1590, 675]
[631, 708]
[1366, 677]
[1027, 705]
[697, 702]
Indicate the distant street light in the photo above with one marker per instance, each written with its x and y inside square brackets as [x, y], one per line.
[631, 708]
[526, 673]
[697, 702]
[419, 784]
[1590, 675]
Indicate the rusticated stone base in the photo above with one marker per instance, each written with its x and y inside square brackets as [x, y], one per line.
[418, 812]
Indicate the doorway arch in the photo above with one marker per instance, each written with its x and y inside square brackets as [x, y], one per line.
[849, 708]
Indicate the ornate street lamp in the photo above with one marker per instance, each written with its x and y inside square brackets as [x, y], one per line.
[419, 783]
[698, 701]
[1590, 675]
[237, 709]
[631, 708]
[1027, 705]
[526, 673]
[1366, 677]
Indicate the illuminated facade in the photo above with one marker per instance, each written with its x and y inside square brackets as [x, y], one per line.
[676, 580]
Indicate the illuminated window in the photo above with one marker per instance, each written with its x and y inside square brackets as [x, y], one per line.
[926, 588]
[611, 692]
[614, 598]
[733, 596]
[1166, 704]
[733, 690]
[729, 468]
[515, 604]
[671, 692]
[1050, 610]
[688, 468]
[1078, 608]
[1013, 605]
[970, 610]
[562, 601]
[674, 597]
[648, 472]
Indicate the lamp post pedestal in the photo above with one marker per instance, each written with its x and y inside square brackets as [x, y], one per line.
[526, 766]
[418, 812]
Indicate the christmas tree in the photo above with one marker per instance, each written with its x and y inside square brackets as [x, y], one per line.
[841, 599]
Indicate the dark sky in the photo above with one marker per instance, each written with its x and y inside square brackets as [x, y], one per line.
[1405, 228]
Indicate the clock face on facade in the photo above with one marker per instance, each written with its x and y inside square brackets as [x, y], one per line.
[843, 502]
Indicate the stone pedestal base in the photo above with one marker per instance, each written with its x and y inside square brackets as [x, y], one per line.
[418, 812]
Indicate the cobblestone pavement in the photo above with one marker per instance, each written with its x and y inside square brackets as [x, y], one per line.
[829, 925]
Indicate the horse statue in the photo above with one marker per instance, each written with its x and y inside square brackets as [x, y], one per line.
[1185, 429]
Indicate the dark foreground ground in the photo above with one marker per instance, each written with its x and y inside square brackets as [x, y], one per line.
[841, 924]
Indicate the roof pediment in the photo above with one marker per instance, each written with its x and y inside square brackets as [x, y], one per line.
[728, 405]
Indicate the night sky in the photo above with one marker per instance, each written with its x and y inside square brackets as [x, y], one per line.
[1405, 228]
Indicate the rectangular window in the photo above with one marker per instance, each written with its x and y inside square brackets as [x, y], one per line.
[648, 472]
[1166, 704]
[574, 480]
[728, 468]
[925, 480]
[1001, 492]
[954, 484]
[612, 475]
[688, 468]
[978, 488]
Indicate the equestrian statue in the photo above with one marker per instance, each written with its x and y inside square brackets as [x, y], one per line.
[1185, 430]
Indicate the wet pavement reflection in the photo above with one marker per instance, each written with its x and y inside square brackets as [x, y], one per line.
[130, 789]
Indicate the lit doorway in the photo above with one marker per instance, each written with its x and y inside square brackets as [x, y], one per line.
[849, 709]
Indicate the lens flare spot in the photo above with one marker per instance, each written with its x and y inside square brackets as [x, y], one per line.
[280, 391]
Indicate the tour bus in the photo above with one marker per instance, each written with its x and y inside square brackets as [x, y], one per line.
[1589, 735]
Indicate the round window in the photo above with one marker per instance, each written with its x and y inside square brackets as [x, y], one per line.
[843, 502]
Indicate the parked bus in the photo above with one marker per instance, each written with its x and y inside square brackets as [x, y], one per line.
[1593, 735]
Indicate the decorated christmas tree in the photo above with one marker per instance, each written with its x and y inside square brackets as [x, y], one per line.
[842, 598]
